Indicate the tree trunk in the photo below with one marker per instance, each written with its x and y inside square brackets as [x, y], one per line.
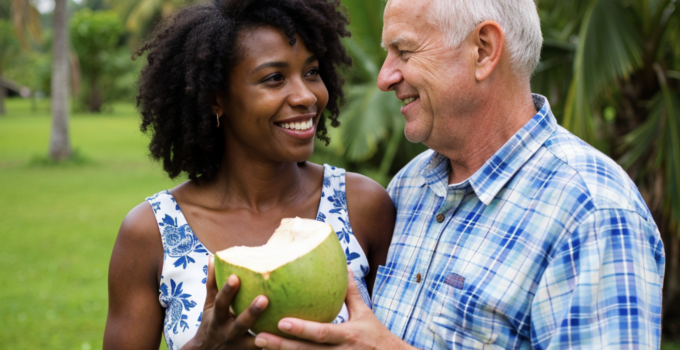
[60, 146]
[3, 94]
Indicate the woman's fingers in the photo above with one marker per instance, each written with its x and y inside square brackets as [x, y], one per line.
[245, 320]
[210, 286]
[224, 298]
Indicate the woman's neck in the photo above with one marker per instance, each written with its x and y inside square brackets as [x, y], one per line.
[255, 184]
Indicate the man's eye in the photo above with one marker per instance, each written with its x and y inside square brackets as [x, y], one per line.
[403, 53]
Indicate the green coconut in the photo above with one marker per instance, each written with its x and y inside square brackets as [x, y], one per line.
[302, 270]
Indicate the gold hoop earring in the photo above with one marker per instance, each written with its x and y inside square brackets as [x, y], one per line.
[218, 119]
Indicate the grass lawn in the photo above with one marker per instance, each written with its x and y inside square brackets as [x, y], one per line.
[58, 223]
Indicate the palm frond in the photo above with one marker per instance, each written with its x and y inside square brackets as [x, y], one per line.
[143, 12]
[367, 120]
[26, 20]
[671, 146]
[609, 48]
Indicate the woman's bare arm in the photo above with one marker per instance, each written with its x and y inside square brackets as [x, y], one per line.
[135, 318]
[372, 215]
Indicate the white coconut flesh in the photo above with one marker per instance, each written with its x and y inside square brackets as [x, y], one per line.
[292, 240]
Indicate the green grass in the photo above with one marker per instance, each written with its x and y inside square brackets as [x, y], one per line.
[58, 223]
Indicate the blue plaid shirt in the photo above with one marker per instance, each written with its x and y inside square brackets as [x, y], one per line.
[548, 245]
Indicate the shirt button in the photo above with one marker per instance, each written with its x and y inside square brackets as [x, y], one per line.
[419, 278]
[440, 218]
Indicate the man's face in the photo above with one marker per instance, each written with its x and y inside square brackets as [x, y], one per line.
[432, 80]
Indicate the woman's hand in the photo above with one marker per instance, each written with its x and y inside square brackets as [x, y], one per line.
[219, 328]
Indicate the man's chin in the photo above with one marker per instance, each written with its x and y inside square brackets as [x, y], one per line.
[416, 134]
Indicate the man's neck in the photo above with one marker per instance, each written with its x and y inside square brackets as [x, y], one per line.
[501, 117]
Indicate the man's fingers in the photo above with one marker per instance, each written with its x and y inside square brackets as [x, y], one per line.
[325, 333]
[355, 303]
[224, 298]
[246, 319]
[210, 286]
[272, 342]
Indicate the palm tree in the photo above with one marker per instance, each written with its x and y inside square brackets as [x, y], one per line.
[26, 24]
[141, 15]
[614, 66]
[26, 20]
[60, 146]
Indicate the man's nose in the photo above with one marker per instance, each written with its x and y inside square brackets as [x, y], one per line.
[389, 74]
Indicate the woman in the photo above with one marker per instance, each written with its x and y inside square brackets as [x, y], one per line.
[233, 95]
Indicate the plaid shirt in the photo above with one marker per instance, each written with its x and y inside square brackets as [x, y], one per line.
[548, 245]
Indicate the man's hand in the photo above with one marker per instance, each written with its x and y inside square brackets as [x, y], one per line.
[362, 331]
[219, 328]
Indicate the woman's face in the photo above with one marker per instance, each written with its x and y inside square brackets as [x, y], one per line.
[275, 98]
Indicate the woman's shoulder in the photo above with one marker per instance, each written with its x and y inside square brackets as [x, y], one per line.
[365, 189]
[139, 225]
[368, 204]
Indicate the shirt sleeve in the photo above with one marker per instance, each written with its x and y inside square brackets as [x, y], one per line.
[602, 287]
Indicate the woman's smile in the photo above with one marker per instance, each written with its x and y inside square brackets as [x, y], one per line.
[300, 127]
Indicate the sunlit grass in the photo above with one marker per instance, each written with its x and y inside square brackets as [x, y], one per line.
[58, 223]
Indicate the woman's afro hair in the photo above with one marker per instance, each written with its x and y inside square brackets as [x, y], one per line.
[191, 55]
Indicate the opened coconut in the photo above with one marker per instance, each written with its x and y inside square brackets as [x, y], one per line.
[302, 270]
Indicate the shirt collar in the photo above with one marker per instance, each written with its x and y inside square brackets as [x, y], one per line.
[488, 180]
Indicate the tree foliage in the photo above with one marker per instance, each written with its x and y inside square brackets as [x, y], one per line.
[9, 46]
[97, 38]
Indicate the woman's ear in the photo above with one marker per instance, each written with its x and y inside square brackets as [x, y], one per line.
[216, 104]
[489, 40]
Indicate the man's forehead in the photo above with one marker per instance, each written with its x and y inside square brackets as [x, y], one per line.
[403, 20]
[414, 9]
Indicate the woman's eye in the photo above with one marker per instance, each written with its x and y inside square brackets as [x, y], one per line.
[313, 72]
[276, 77]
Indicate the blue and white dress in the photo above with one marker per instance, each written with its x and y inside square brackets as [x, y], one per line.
[185, 259]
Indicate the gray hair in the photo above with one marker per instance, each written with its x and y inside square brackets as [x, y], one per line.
[518, 19]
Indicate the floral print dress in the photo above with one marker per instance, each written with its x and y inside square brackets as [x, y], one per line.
[185, 259]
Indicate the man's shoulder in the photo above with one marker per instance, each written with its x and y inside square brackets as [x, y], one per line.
[603, 180]
[413, 170]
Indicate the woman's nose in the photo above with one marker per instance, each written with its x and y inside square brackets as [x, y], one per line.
[302, 95]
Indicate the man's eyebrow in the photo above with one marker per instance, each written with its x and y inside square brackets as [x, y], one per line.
[395, 42]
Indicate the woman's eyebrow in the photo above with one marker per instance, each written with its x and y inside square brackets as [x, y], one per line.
[279, 64]
[276, 64]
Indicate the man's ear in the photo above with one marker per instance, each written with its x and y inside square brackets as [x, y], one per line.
[489, 40]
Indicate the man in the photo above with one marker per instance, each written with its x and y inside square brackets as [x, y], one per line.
[511, 232]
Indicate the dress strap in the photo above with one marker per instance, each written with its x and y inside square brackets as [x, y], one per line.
[333, 210]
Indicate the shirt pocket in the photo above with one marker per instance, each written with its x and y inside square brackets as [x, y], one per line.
[461, 316]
